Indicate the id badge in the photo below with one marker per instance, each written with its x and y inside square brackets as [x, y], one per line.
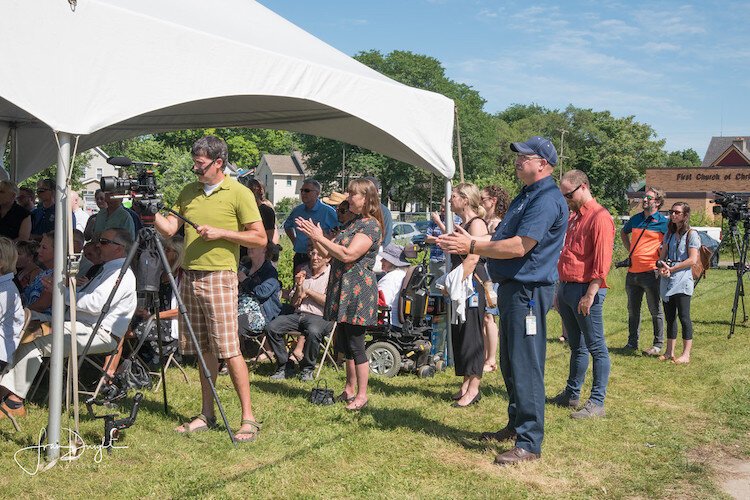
[474, 300]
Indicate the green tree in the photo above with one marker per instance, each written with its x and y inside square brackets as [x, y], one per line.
[614, 152]
[402, 182]
[80, 162]
[684, 158]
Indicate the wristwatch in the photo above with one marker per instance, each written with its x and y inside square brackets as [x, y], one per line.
[471, 247]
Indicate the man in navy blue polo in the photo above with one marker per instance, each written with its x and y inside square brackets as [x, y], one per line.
[315, 210]
[523, 256]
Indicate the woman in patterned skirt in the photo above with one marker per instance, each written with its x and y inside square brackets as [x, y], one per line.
[352, 294]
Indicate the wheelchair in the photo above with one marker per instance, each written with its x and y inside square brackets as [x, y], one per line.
[391, 350]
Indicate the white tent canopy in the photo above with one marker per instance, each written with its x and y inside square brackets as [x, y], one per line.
[114, 69]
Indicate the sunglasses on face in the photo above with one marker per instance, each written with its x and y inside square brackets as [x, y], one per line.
[570, 195]
[675, 211]
[306, 190]
[648, 197]
[105, 241]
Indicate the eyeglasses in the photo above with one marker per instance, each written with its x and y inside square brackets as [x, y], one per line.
[306, 190]
[342, 211]
[675, 211]
[42, 190]
[105, 241]
[524, 158]
[649, 197]
[196, 164]
[486, 198]
[570, 195]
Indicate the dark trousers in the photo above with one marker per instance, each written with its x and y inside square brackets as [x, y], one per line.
[678, 304]
[636, 285]
[311, 326]
[522, 358]
[299, 259]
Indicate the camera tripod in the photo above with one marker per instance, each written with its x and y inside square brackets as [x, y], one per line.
[740, 266]
[147, 241]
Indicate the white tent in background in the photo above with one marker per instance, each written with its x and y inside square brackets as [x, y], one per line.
[114, 69]
[119, 68]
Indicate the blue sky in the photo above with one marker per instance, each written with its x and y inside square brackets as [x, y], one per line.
[683, 68]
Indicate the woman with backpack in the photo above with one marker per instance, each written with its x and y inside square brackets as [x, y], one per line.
[679, 253]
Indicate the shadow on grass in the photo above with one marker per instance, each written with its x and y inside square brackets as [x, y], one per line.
[625, 351]
[205, 488]
[399, 418]
[282, 388]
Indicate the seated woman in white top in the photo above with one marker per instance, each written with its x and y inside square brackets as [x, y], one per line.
[11, 309]
[395, 267]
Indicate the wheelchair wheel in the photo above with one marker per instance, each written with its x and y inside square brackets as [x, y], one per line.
[384, 359]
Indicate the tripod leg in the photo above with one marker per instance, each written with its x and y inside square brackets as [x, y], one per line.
[155, 304]
[191, 334]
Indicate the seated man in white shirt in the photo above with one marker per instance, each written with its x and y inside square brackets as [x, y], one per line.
[308, 300]
[395, 267]
[90, 300]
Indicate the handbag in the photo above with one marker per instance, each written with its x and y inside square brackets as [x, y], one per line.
[248, 305]
[321, 395]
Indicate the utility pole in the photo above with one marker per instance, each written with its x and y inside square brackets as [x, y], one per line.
[343, 166]
[562, 142]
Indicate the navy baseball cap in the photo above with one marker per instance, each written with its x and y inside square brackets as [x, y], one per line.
[537, 146]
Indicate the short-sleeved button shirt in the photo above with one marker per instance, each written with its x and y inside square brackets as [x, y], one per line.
[352, 293]
[229, 206]
[320, 212]
[119, 219]
[538, 212]
[677, 250]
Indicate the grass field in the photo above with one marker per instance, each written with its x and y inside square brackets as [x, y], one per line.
[667, 429]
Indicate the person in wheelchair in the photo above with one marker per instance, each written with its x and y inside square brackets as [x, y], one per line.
[395, 267]
[308, 300]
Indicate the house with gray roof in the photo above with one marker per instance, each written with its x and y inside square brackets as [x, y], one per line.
[728, 152]
[282, 175]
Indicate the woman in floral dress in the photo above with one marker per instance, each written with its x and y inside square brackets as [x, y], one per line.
[352, 294]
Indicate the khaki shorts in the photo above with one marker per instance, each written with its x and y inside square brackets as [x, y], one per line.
[210, 298]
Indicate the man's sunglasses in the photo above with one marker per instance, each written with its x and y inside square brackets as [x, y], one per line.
[306, 190]
[570, 195]
[105, 241]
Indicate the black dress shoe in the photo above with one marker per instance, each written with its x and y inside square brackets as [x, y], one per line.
[504, 434]
[516, 455]
[476, 399]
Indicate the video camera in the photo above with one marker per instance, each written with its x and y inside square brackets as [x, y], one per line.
[733, 206]
[142, 188]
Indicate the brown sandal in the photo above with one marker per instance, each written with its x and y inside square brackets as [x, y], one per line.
[210, 423]
[253, 433]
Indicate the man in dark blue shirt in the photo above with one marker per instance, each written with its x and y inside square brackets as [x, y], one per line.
[523, 256]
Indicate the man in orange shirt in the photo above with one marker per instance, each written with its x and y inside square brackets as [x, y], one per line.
[583, 266]
[643, 235]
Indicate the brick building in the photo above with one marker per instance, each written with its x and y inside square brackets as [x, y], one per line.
[725, 167]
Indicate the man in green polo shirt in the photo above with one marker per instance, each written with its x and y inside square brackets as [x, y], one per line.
[227, 217]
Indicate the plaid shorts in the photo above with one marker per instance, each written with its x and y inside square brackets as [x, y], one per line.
[210, 298]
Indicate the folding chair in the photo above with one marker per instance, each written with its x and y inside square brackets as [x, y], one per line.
[260, 341]
[327, 352]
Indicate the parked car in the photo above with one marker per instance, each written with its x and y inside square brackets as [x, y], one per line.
[404, 231]
[422, 225]
[711, 243]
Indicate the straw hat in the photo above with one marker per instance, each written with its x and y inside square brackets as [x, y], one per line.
[335, 198]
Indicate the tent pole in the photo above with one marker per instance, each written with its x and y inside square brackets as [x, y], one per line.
[58, 301]
[448, 268]
[14, 152]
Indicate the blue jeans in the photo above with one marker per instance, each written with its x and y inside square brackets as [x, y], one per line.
[522, 359]
[636, 284]
[585, 335]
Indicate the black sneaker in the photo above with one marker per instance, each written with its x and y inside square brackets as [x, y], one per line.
[564, 400]
[306, 376]
[282, 373]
